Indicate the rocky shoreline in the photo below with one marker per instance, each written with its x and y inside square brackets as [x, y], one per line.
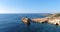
[53, 19]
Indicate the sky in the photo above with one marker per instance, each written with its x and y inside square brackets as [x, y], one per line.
[29, 6]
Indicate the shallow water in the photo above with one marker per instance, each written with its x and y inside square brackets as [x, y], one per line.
[13, 23]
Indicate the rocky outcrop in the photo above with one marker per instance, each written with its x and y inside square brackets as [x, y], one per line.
[53, 19]
[26, 21]
[39, 20]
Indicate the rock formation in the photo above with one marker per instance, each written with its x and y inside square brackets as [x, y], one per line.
[26, 21]
[53, 19]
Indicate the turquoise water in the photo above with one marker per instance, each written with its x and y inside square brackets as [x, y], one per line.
[13, 23]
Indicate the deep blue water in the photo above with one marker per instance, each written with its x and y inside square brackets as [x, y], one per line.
[13, 23]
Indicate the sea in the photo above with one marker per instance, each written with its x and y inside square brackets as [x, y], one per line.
[13, 23]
